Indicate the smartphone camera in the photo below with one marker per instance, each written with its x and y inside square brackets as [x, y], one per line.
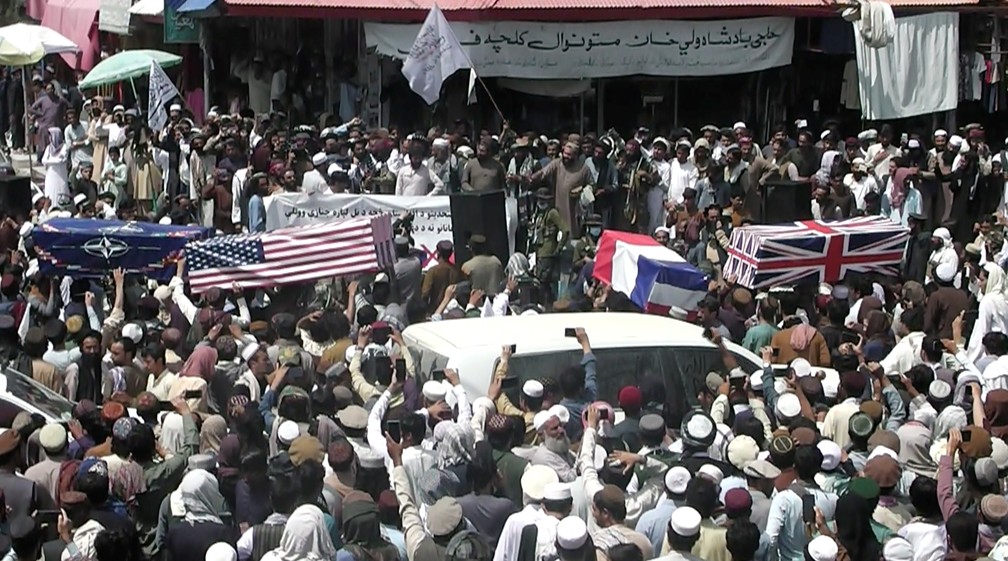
[570, 332]
[394, 430]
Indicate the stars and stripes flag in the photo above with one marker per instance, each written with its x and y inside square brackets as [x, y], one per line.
[814, 251]
[291, 255]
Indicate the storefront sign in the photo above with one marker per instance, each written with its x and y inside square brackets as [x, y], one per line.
[114, 17]
[179, 28]
[541, 50]
[431, 215]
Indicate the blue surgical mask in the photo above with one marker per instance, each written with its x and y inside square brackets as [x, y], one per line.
[594, 232]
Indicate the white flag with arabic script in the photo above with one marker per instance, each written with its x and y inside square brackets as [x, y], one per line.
[162, 90]
[435, 55]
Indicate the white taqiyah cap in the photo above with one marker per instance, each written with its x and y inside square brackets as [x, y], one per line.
[739, 125]
[287, 432]
[955, 140]
[940, 132]
[756, 381]
[541, 418]
[79, 199]
[175, 107]
[823, 548]
[676, 480]
[535, 479]
[165, 221]
[434, 391]
[712, 472]
[685, 521]
[572, 533]
[801, 367]
[25, 229]
[945, 271]
[533, 388]
[133, 332]
[440, 143]
[249, 351]
[560, 412]
[913, 143]
[788, 406]
[557, 492]
[831, 454]
[36, 198]
[319, 159]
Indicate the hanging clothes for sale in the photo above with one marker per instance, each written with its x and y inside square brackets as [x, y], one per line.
[913, 75]
[850, 97]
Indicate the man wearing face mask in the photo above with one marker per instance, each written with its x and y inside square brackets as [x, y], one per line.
[569, 175]
[549, 236]
[585, 247]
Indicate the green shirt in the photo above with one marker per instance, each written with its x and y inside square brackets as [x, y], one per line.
[759, 337]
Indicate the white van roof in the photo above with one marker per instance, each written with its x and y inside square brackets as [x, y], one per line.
[542, 331]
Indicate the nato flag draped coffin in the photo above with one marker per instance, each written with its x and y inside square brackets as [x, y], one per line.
[291, 255]
[85, 247]
[652, 275]
[815, 251]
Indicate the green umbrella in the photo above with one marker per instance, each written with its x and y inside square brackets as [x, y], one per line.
[126, 65]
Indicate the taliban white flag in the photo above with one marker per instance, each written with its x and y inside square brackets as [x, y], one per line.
[162, 90]
[436, 54]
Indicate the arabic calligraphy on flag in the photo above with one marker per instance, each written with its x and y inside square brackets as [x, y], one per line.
[541, 50]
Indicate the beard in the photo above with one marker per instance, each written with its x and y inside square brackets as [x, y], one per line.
[559, 446]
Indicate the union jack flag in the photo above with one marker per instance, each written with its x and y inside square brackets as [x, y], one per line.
[814, 251]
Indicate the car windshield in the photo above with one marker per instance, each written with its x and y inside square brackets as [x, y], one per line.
[37, 395]
[683, 369]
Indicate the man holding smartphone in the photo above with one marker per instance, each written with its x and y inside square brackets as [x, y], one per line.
[530, 399]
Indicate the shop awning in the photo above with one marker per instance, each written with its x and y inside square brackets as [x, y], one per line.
[551, 10]
[148, 8]
[195, 6]
[77, 20]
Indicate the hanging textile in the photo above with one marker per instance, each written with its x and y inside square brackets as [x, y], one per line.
[916, 74]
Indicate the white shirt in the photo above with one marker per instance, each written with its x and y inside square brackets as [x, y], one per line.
[882, 167]
[681, 176]
[905, 355]
[859, 189]
[510, 537]
[237, 183]
[664, 170]
[417, 182]
[313, 182]
[929, 543]
[991, 316]
[278, 85]
[945, 255]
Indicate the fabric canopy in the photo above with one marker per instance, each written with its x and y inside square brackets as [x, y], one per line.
[126, 65]
[23, 44]
[652, 275]
[77, 20]
[148, 8]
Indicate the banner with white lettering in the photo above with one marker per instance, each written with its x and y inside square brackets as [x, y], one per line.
[431, 215]
[541, 50]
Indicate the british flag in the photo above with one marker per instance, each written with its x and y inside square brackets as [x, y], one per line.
[814, 251]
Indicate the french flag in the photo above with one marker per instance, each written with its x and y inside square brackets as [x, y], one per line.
[652, 275]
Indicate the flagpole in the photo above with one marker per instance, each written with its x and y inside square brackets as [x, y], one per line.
[472, 67]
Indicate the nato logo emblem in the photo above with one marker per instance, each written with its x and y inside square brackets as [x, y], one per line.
[106, 248]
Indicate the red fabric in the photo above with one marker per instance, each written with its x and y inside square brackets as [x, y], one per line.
[77, 20]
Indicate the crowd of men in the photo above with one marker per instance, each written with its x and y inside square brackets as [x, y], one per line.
[296, 423]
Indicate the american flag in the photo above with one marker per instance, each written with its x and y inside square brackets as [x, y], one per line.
[814, 251]
[291, 255]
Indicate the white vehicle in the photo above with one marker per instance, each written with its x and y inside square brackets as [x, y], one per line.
[20, 393]
[627, 347]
